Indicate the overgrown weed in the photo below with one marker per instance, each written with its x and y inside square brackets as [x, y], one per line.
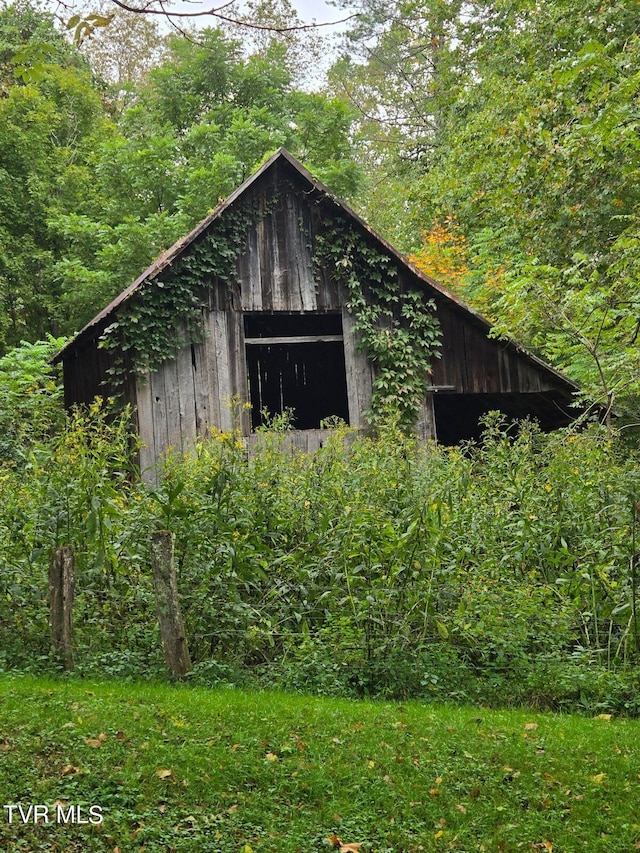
[501, 572]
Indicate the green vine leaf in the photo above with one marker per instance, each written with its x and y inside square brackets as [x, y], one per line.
[398, 330]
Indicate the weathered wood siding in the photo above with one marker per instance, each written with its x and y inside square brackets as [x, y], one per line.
[188, 396]
[86, 376]
[194, 392]
[275, 273]
[474, 364]
[303, 441]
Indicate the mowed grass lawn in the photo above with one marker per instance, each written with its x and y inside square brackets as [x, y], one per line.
[176, 768]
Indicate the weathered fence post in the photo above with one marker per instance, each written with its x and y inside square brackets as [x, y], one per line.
[165, 584]
[61, 590]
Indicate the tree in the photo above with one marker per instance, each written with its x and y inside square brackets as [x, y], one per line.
[399, 71]
[123, 53]
[44, 125]
[201, 122]
[518, 121]
[94, 185]
[540, 168]
[270, 16]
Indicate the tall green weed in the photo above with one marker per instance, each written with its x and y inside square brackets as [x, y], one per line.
[502, 571]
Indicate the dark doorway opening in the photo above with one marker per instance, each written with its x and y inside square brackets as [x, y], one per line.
[296, 361]
[457, 415]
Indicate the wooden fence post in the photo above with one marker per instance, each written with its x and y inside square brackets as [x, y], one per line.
[61, 590]
[165, 584]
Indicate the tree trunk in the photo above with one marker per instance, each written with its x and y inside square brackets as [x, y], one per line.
[165, 584]
[61, 589]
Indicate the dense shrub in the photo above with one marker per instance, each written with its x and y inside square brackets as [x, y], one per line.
[497, 572]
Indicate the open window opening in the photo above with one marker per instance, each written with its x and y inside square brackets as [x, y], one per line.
[296, 362]
[457, 415]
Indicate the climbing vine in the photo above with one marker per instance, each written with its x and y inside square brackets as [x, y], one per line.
[397, 328]
[166, 312]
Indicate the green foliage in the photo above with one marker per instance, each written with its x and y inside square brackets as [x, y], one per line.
[76, 488]
[397, 328]
[138, 338]
[501, 573]
[518, 120]
[30, 398]
[95, 183]
[539, 166]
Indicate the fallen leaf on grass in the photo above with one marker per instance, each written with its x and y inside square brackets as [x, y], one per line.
[70, 770]
[96, 741]
[298, 741]
[460, 808]
[163, 773]
[530, 727]
[344, 848]
[271, 756]
[606, 717]
[599, 778]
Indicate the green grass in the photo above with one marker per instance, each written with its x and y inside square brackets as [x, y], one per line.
[187, 769]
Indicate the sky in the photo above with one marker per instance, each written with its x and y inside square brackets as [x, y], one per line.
[318, 9]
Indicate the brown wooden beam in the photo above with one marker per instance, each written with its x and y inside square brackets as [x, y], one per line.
[293, 339]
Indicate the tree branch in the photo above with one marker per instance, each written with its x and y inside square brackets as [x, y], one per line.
[150, 8]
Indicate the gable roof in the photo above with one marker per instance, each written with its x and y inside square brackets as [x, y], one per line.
[313, 184]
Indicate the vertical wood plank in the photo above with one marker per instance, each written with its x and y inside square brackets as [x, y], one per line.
[266, 263]
[201, 383]
[211, 358]
[238, 369]
[225, 388]
[299, 260]
[359, 373]
[426, 423]
[161, 438]
[186, 397]
[172, 404]
[146, 432]
[250, 273]
[277, 253]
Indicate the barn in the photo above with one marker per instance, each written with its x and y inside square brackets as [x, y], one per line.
[283, 299]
